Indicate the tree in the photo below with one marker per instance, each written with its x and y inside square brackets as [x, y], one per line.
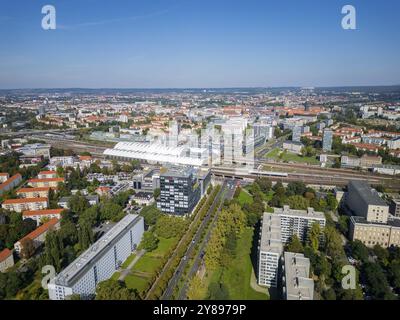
[382, 255]
[377, 282]
[297, 202]
[90, 215]
[333, 243]
[156, 193]
[294, 245]
[115, 290]
[359, 251]
[170, 226]
[343, 224]
[296, 188]
[28, 248]
[329, 294]
[331, 202]
[264, 183]
[109, 210]
[53, 250]
[196, 289]
[78, 203]
[394, 272]
[85, 235]
[149, 241]
[321, 266]
[150, 214]
[279, 189]
[314, 236]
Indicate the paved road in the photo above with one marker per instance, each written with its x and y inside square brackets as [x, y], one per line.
[195, 241]
[199, 258]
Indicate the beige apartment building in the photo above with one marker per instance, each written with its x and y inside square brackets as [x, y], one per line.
[47, 182]
[42, 192]
[38, 236]
[19, 205]
[371, 234]
[40, 215]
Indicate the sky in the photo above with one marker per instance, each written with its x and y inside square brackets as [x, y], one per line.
[198, 44]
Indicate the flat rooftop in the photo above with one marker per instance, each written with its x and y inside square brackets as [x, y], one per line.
[298, 284]
[309, 213]
[72, 272]
[271, 234]
[368, 195]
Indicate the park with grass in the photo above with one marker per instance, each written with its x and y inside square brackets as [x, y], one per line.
[278, 155]
[144, 271]
[234, 282]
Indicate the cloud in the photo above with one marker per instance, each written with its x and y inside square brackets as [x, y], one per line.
[108, 21]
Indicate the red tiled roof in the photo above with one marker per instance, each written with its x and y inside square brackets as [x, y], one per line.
[24, 200]
[38, 189]
[42, 212]
[41, 229]
[47, 172]
[14, 177]
[47, 180]
[83, 158]
[5, 254]
[3, 174]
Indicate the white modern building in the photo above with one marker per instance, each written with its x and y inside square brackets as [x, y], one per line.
[298, 222]
[158, 153]
[99, 261]
[270, 250]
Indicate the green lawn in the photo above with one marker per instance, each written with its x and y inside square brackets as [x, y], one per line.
[163, 246]
[245, 197]
[146, 264]
[290, 157]
[128, 261]
[136, 282]
[115, 276]
[237, 276]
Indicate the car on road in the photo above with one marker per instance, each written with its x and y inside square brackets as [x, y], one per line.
[184, 258]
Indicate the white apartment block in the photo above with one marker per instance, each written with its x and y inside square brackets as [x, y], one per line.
[40, 215]
[277, 230]
[298, 222]
[100, 261]
[270, 250]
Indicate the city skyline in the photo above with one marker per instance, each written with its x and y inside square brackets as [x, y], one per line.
[176, 44]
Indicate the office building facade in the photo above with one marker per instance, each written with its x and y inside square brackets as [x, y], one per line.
[180, 191]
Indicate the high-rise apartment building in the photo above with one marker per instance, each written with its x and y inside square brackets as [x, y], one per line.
[99, 261]
[276, 231]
